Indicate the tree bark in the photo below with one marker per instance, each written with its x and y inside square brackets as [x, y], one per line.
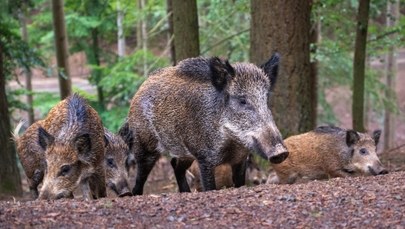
[28, 73]
[120, 26]
[185, 29]
[10, 180]
[96, 72]
[390, 71]
[359, 65]
[171, 32]
[315, 35]
[284, 26]
[61, 45]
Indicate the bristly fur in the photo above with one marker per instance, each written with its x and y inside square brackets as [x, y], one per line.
[327, 129]
[77, 109]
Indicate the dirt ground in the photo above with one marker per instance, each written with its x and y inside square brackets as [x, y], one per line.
[362, 202]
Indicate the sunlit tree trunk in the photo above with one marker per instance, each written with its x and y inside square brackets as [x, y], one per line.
[28, 73]
[284, 27]
[142, 36]
[61, 46]
[185, 29]
[390, 71]
[120, 25]
[359, 65]
[315, 34]
[10, 180]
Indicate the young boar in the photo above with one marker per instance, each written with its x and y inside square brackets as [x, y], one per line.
[69, 144]
[328, 152]
[205, 109]
[223, 177]
[116, 163]
[31, 155]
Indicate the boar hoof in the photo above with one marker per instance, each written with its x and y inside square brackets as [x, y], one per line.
[277, 159]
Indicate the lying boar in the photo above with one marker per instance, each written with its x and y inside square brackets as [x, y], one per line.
[116, 163]
[205, 109]
[69, 146]
[328, 152]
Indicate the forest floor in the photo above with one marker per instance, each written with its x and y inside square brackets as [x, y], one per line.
[361, 202]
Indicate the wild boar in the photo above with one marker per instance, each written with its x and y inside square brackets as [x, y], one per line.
[328, 152]
[205, 109]
[71, 141]
[31, 155]
[116, 163]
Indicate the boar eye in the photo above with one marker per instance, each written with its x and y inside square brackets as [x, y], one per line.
[242, 101]
[110, 162]
[363, 151]
[64, 170]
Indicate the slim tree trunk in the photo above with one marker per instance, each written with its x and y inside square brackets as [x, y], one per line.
[28, 73]
[284, 26]
[185, 29]
[171, 33]
[10, 180]
[314, 40]
[120, 25]
[359, 65]
[61, 45]
[390, 71]
[96, 72]
[144, 41]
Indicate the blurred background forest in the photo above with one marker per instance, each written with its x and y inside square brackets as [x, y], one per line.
[342, 62]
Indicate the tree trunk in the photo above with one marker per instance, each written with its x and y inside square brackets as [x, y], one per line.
[284, 26]
[61, 45]
[314, 40]
[359, 65]
[10, 180]
[120, 25]
[390, 71]
[185, 29]
[171, 33]
[96, 72]
[28, 73]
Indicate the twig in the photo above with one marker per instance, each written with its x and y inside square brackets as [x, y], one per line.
[393, 149]
[223, 40]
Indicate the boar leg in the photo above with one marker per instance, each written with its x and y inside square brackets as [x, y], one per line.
[35, 181]
[239, 174]
[207, 172]
[180, 166]
[97, 186]
[84, 184]
[145, 161]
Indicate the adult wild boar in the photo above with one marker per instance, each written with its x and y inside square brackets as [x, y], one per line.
[71, 138]
[205, 109]
[328, 152]
[116, 163]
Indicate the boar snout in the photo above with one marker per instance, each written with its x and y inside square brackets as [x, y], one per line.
[379, 170]
[275, 153]
[120, 188]
[47, 195]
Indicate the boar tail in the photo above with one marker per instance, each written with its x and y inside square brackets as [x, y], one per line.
[17, 129]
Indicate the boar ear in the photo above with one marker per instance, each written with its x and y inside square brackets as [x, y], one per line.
[44, 138]
[271, 69]
[126, 134]
[83, 145]
[221, 72]
[106, 141]
[351, 137]
[376, 136]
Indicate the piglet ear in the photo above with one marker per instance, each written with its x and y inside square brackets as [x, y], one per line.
[351, 137]
[271, 69]
[376, 136]
[221, 72]
[83, 146]
[44, 138]
[127, 135]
